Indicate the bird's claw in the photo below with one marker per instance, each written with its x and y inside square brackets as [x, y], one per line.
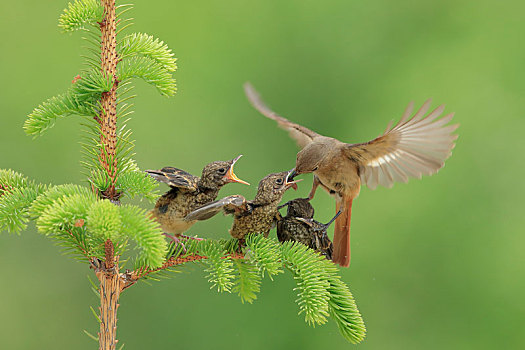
[176, 240]
[195, 238]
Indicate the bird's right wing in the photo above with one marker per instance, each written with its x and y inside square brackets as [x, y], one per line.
[300, 134]
[235, 203]
[175, 178]
[415, 146]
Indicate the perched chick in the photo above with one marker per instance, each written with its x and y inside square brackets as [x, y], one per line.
[255, 216]
[189, 192]
[299, 226]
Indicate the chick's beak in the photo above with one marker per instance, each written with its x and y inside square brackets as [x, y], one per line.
[230, 175]
[289, 183]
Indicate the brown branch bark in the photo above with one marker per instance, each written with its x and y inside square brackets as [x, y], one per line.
[108, 112]
[107, 271]
[109, 290]
[130, 278]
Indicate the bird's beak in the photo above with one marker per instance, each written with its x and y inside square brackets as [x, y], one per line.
[289, 183]
[292, 174]
[230, 175]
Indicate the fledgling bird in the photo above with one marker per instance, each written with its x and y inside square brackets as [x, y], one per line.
[189, 192]
[256, 216]
[415, 146]
[299, 226]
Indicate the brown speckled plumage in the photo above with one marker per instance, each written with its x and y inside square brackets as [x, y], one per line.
[256, 216]
[299, 226]
[188, 193]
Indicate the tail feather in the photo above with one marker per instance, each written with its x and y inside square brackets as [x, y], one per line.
[342, 232]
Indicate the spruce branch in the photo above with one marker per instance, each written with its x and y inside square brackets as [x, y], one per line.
[248, 280]
[104, 220]
[146, 233]
[142, 44]
[265, 253]
[219, 269]
[79, 14]
[342, 307]
[148, 70]
[311, 278]
[43, 117]
[17, 193]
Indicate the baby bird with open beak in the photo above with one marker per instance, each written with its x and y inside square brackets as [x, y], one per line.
[256, 216]
[299, 226]
[189, 192]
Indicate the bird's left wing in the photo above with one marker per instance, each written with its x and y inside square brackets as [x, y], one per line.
[414, 147]
[175, 178]
[300, 134]
[236, 203]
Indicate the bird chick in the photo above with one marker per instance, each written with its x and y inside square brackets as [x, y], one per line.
[251, 216]
[189, 192]
[299, 226]
[415, 146]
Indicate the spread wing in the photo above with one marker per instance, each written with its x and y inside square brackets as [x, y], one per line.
[175, 178]
[235, 203]
[414, 147]
[300, 134]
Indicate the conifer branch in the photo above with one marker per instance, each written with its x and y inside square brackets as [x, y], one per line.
[43, 117]
[150, 71]
[146, 45]
[79, 14]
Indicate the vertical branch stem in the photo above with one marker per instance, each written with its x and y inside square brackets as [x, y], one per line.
[108, 112]
[109, 295]
[108, 273]
[110, 288]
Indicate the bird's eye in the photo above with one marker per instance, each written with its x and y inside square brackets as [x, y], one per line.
[279, 181]
[222, 171]
[316, 168]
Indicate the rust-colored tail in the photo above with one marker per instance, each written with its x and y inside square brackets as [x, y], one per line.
[342, 232]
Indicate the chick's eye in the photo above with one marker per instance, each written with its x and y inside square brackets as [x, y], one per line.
[222, 171]
[279, 181]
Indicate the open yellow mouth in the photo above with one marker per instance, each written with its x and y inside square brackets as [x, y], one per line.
[230, 175]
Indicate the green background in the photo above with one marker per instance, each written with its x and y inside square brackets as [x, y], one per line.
[436, 263]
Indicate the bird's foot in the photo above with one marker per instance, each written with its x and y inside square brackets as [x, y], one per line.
[176, 240]
[242, 244]
[195, 238]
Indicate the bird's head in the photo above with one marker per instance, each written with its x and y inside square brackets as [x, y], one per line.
[300, 208]
[218, 174]
[272, 187]
[309, 158]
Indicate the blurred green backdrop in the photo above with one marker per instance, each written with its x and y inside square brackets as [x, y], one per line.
[436, 263]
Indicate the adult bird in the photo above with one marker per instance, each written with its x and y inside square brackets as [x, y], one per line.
[188, 193]
[415, 146]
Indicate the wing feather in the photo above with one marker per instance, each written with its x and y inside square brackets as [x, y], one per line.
[234, 203]
[300, 134]
[414, 147]
[175, 178]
